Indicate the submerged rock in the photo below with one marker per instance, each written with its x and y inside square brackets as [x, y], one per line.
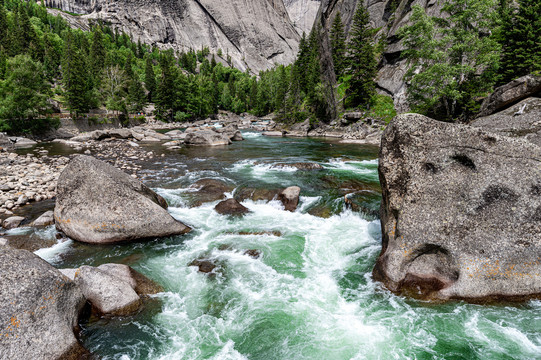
[204, 266]
[99, 204]
[290, 197]
[461, 212]
[209, 190]
[39, 308]
[231, 207]
[300, 166]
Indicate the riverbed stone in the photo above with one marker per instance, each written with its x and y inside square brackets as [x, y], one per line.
[206, 138]
[45, 219]
[461, 212]
[12, 222]
[231, 207]
[290, 197]
[108, 294]
[39, 308]
[209, 190]
[97, 203]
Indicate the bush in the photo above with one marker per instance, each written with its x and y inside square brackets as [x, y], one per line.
[181, 116]
[382, 107]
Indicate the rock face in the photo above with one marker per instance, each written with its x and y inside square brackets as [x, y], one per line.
[520, 120]
[302, 13]
[461, 212]
[255, 33]
[39, 309]
[97, 203]
[511, 93]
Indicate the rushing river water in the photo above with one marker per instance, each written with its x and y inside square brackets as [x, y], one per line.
[309, 296]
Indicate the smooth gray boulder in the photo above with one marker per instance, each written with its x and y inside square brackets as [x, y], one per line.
[108, 294]
[39, 308]
[12, 222]
[99, 204]
[46, 219]
[206, 138]
[461, 212]
[290, 197]
[511, 93]
[521, 120]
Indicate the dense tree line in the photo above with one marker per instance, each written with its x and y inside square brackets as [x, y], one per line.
[44, 62]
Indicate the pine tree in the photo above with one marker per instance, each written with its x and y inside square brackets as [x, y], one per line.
[165, 91]
[150, 79]
[4, 30]
[338, 46]
[362, 63]
[521, 42]
[77, 84]
[97, 53]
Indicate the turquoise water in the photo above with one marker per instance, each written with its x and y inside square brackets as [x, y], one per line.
[309, 296]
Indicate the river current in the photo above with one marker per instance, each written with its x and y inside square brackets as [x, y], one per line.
[310, 294]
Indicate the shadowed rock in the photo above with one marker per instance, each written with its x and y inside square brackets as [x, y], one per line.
[97, 203]
[209, 190]
[459, 213]
[231, 207]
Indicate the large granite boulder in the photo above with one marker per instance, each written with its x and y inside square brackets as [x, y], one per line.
[520, 120]
[39, 308]
[206, 138]
[461, 212]
[97, 203]
[511, 93]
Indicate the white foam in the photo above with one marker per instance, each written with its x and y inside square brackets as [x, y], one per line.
[52, 254]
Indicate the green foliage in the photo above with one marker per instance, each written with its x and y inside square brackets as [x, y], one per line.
[382, 108]
[453, 59]
[23, 95]
[521, 40]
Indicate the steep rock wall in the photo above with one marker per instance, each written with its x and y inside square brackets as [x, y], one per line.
[302, 13]
[256, 34]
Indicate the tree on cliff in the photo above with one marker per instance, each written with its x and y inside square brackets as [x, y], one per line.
[452, 59]
[521, 40]
[338, 46]
[361, 61]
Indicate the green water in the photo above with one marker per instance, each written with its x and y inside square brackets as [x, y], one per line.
[309, 296]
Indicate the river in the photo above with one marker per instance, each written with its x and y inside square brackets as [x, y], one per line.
[309, 296]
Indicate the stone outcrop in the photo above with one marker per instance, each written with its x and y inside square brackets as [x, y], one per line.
[461, 212]
[46, 219]
[97, 203]
[511, 93]
[39, 308]
[209, 190]
[520, 120]
[255, 33]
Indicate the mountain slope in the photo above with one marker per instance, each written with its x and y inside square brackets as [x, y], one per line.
[255, 33]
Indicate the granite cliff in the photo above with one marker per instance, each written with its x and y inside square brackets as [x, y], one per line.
[256, 34]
